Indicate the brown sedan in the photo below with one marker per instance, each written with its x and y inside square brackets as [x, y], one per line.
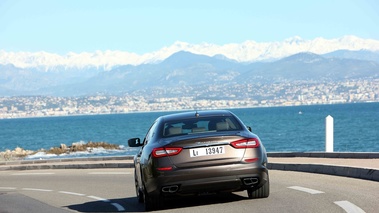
[194, 153]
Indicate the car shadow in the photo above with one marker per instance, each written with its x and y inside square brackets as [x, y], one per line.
[203, 200]
[131, 204]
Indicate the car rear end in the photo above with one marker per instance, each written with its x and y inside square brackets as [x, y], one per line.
[209, 161]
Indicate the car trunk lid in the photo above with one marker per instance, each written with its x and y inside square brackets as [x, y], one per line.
[206, 151]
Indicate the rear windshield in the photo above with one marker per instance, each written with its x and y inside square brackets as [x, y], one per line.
[200, 125]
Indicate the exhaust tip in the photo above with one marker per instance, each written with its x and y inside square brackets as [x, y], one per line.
[250, 181]
[170, 189]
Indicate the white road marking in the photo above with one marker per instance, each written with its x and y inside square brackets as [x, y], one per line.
[109, 173]
[118, 207]
[44, 173]
[307, 190]
[99, 198]
[40, 190]
[349, 207]
[8, 188]
[71, 193]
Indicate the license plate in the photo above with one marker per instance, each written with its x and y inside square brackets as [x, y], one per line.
[214, 150]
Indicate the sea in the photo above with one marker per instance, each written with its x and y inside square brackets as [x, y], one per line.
[281, 129]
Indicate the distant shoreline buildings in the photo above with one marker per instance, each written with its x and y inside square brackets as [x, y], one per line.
[189, 98]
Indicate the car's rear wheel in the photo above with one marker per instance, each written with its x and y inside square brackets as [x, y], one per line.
[151, 202]
[262, 192]
[139, 195]
[139, 192]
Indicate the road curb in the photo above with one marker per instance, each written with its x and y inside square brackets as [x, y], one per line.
[354, 155]
[69, 163]
[62, 160]
[337, 170]
[353, 172]
[72, 166]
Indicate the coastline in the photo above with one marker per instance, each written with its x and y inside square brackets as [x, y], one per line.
[184, 109]
[20, 154]
[270, 123]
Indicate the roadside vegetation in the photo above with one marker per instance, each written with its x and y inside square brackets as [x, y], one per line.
[20, 153]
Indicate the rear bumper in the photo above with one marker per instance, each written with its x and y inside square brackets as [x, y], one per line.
[222, 178]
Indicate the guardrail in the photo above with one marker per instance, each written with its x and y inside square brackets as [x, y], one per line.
[358, 155]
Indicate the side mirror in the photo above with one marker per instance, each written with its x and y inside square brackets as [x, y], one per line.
[134, 142]
[249, 128]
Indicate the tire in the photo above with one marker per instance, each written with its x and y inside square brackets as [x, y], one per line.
[139, 195]
[262, 192]
[139, 192]
[151, 202]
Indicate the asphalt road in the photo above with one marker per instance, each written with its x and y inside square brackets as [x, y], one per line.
[112, 190]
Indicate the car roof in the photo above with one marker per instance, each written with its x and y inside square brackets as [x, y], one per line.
[193, 114]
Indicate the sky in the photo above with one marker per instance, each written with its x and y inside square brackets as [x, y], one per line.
[63, 26]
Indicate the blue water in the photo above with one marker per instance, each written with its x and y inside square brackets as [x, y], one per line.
[280, 128]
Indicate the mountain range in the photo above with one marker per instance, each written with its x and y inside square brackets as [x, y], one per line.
[183, 64]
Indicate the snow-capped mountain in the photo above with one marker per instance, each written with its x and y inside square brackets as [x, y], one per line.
[248, 51]
[184, 64]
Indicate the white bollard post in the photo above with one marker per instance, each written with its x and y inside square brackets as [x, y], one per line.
[329, 134]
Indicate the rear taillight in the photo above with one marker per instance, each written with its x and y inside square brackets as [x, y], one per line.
[246, 143]
[166, 151]
[162, 169]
